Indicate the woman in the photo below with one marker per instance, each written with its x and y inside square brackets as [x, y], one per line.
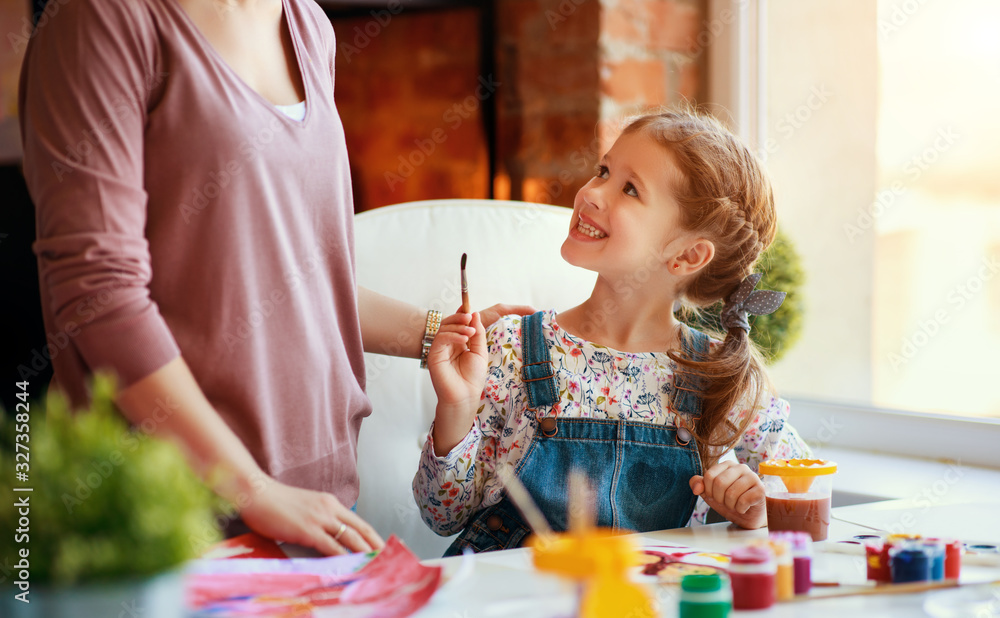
[194, 217]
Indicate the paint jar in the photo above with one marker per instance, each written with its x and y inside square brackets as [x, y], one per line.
[801, 560]
[752, 571]
[952, 558]
[784, 578]
[877, 558]
[705, 596]
[936, 553]
[910, 561]
[798, 495]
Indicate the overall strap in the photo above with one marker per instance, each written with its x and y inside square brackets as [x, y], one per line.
[688, 386]
[536, 370]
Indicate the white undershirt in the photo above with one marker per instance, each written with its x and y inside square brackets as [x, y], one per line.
[295, 111]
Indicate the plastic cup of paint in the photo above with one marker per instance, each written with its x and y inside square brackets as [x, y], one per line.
[798, 495]
[705, 596]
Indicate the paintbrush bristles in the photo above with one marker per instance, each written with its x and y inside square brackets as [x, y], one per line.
[466, 308]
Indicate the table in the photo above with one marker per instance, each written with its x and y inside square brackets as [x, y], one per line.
[505, 583]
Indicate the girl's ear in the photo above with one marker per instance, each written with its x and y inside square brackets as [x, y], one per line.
[694, 258]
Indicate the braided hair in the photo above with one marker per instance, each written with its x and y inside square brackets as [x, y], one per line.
[725, 196]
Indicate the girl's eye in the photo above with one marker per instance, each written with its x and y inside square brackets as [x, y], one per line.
[630, 190]
[602, 171]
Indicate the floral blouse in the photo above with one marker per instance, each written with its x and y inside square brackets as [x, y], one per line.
[594, 382]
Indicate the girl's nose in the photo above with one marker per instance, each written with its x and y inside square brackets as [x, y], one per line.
[592, 194]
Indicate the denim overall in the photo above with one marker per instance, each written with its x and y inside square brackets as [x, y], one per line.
[639, 471]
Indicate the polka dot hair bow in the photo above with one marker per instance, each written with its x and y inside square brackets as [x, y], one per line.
[746, 300]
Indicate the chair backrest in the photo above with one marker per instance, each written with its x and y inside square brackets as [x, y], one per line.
[411, 252]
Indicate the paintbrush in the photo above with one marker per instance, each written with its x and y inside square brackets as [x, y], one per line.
[466, 308]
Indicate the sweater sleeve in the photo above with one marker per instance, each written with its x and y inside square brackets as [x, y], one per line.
[90, 75]
[450, 489]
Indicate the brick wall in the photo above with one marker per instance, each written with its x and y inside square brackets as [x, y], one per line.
[411, 91]
[573, 69]
[407, 90]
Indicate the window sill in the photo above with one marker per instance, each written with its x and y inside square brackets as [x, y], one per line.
[962, 441]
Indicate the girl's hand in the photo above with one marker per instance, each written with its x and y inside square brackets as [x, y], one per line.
[457, 360]
[735, 492]
[309, 518]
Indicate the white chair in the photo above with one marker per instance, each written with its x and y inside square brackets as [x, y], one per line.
[412, 252]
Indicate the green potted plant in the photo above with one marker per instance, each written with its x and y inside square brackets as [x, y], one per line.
[110, 515]
[775, 333]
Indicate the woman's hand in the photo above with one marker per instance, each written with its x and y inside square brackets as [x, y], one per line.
[309, 518]
[735, 492]
[458, 362]
[494, 313]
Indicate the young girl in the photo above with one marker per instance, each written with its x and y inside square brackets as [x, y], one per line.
[679, 210]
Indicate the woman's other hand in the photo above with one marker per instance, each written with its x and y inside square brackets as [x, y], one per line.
[497, 311]
[309, 518]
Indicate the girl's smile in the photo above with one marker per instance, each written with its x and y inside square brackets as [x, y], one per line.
[587, 230]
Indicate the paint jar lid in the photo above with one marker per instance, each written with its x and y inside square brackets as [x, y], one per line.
[797, 467]
[752, 554]
[702, 583]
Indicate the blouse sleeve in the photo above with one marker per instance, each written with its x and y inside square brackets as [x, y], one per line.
[769, 435]
[449, 489]
[88, 78]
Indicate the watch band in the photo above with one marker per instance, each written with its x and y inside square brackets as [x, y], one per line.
[431, 328]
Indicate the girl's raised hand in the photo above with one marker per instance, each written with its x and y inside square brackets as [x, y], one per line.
[735, 492]
[458, 362]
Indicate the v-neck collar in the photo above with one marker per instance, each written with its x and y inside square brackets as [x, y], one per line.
[296, 49]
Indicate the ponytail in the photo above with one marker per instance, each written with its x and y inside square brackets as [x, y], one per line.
[732, 374]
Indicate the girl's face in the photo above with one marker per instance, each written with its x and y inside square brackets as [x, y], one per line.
[625, 221]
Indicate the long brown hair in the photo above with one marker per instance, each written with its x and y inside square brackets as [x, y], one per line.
[725, 195]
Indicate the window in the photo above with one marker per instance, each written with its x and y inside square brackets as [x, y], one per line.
[877, 126]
